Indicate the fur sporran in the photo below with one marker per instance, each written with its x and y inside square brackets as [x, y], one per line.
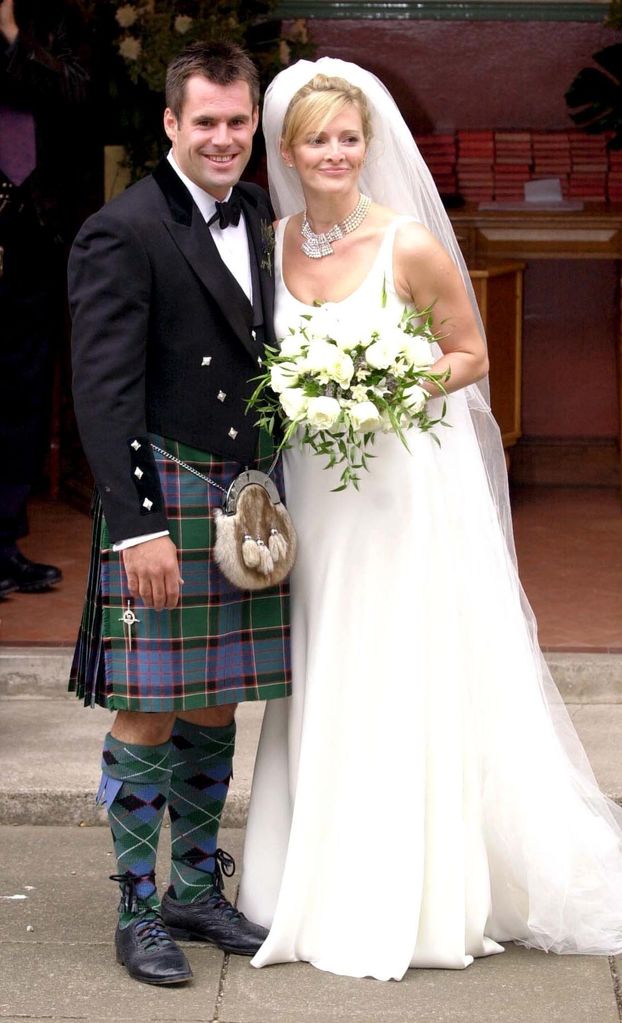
[255, 537]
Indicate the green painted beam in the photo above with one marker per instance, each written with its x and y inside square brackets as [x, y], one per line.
[455, 10]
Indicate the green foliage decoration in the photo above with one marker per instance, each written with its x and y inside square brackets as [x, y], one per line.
[595, 96]
[134, 40]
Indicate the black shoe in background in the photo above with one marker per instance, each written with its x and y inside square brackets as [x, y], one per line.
[20, 573]
[7, 586]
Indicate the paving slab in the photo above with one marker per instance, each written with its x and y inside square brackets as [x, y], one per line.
[600, 730]
[518, 986]
[64, 980]
[60, 871]
[64, 968]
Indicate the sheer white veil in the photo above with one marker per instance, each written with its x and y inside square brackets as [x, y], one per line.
[396, 175]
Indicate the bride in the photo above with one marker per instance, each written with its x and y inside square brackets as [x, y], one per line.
[423, 797]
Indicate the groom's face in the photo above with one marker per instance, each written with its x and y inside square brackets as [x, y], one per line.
[213, 137]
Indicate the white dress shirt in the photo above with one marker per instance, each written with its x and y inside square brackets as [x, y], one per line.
[232, 245]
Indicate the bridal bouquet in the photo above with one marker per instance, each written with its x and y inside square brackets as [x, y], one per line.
[339, 380]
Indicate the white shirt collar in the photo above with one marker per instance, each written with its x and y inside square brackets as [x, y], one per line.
[203, 199]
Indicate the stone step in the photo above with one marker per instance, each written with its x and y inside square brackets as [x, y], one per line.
[50, 754]
[50, 744]
[43, 672]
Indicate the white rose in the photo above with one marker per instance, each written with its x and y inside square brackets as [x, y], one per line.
[283, 375]
[365, 417]
[323, 413]
[126, 16]
[416, 350]
[293, 344]
[329, 362]
[415, 398]
[383, 353]
[294, 403]
[182, 23]
[130, 48]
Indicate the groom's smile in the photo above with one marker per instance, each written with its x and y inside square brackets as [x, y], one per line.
[213, 136]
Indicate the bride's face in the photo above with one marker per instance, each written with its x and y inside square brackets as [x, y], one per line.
[330, 160]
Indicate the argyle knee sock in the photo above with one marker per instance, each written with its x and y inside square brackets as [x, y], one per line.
[201, 760]
[134, 787]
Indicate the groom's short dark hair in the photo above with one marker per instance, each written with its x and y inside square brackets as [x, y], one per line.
[222, 63]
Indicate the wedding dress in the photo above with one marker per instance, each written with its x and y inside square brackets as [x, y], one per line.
[423, 795]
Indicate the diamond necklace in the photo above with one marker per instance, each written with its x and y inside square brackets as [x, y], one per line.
[317, 245]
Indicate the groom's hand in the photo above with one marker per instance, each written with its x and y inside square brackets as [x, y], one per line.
[152, 572]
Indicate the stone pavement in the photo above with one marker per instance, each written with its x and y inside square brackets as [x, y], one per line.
[56, 957]
[63, 967]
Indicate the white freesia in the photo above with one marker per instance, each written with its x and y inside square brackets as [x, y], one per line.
[417, 351]
[415, 398]
[329, 362]
[282, 376]
[359, 392]
[365, 417]
[322, 413]
[294, 403]
[126, 16]
[383, 352]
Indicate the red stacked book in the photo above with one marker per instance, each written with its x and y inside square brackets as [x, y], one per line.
[476, 157]
[614, 176]
[513, 157]
[439, 152]
[588, 167]
[551, 157]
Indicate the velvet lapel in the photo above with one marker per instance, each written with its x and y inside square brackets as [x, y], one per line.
[194, 240]
[260, 237]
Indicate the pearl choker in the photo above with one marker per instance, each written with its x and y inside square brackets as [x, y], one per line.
[317, 245]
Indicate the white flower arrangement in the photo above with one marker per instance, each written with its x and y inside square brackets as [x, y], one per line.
[337, 381]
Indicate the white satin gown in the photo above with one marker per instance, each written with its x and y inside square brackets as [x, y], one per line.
[422, 796]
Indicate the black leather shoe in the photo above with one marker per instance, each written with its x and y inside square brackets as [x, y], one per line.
[148, 952]
[145, 946]
[7, 586]
[213, 919]
[27, 575]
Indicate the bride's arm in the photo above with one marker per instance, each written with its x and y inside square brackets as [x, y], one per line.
[426, 276]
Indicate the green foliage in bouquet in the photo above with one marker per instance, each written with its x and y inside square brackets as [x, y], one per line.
[337, 383]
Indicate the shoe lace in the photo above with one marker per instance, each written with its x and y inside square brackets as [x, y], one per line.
[131, 901]
[150, 929]
[224, 864]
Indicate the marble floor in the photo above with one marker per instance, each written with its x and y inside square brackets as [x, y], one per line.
[569, 544]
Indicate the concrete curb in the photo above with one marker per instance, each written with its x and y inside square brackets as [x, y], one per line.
[43, 672]
[50, 744]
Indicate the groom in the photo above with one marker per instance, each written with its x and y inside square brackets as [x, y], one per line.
[171, 294]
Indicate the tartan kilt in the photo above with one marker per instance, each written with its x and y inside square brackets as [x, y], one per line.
[219, 645]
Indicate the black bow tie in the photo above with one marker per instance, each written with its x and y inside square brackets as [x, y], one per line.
[227, 212]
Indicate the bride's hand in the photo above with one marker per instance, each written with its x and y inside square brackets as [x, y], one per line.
[425, 275]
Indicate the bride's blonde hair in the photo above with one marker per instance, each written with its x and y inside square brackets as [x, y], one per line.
[317, 103]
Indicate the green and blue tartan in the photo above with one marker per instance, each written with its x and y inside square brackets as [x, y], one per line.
[219, 645]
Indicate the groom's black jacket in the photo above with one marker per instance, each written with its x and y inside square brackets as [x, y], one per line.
[161, 332]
